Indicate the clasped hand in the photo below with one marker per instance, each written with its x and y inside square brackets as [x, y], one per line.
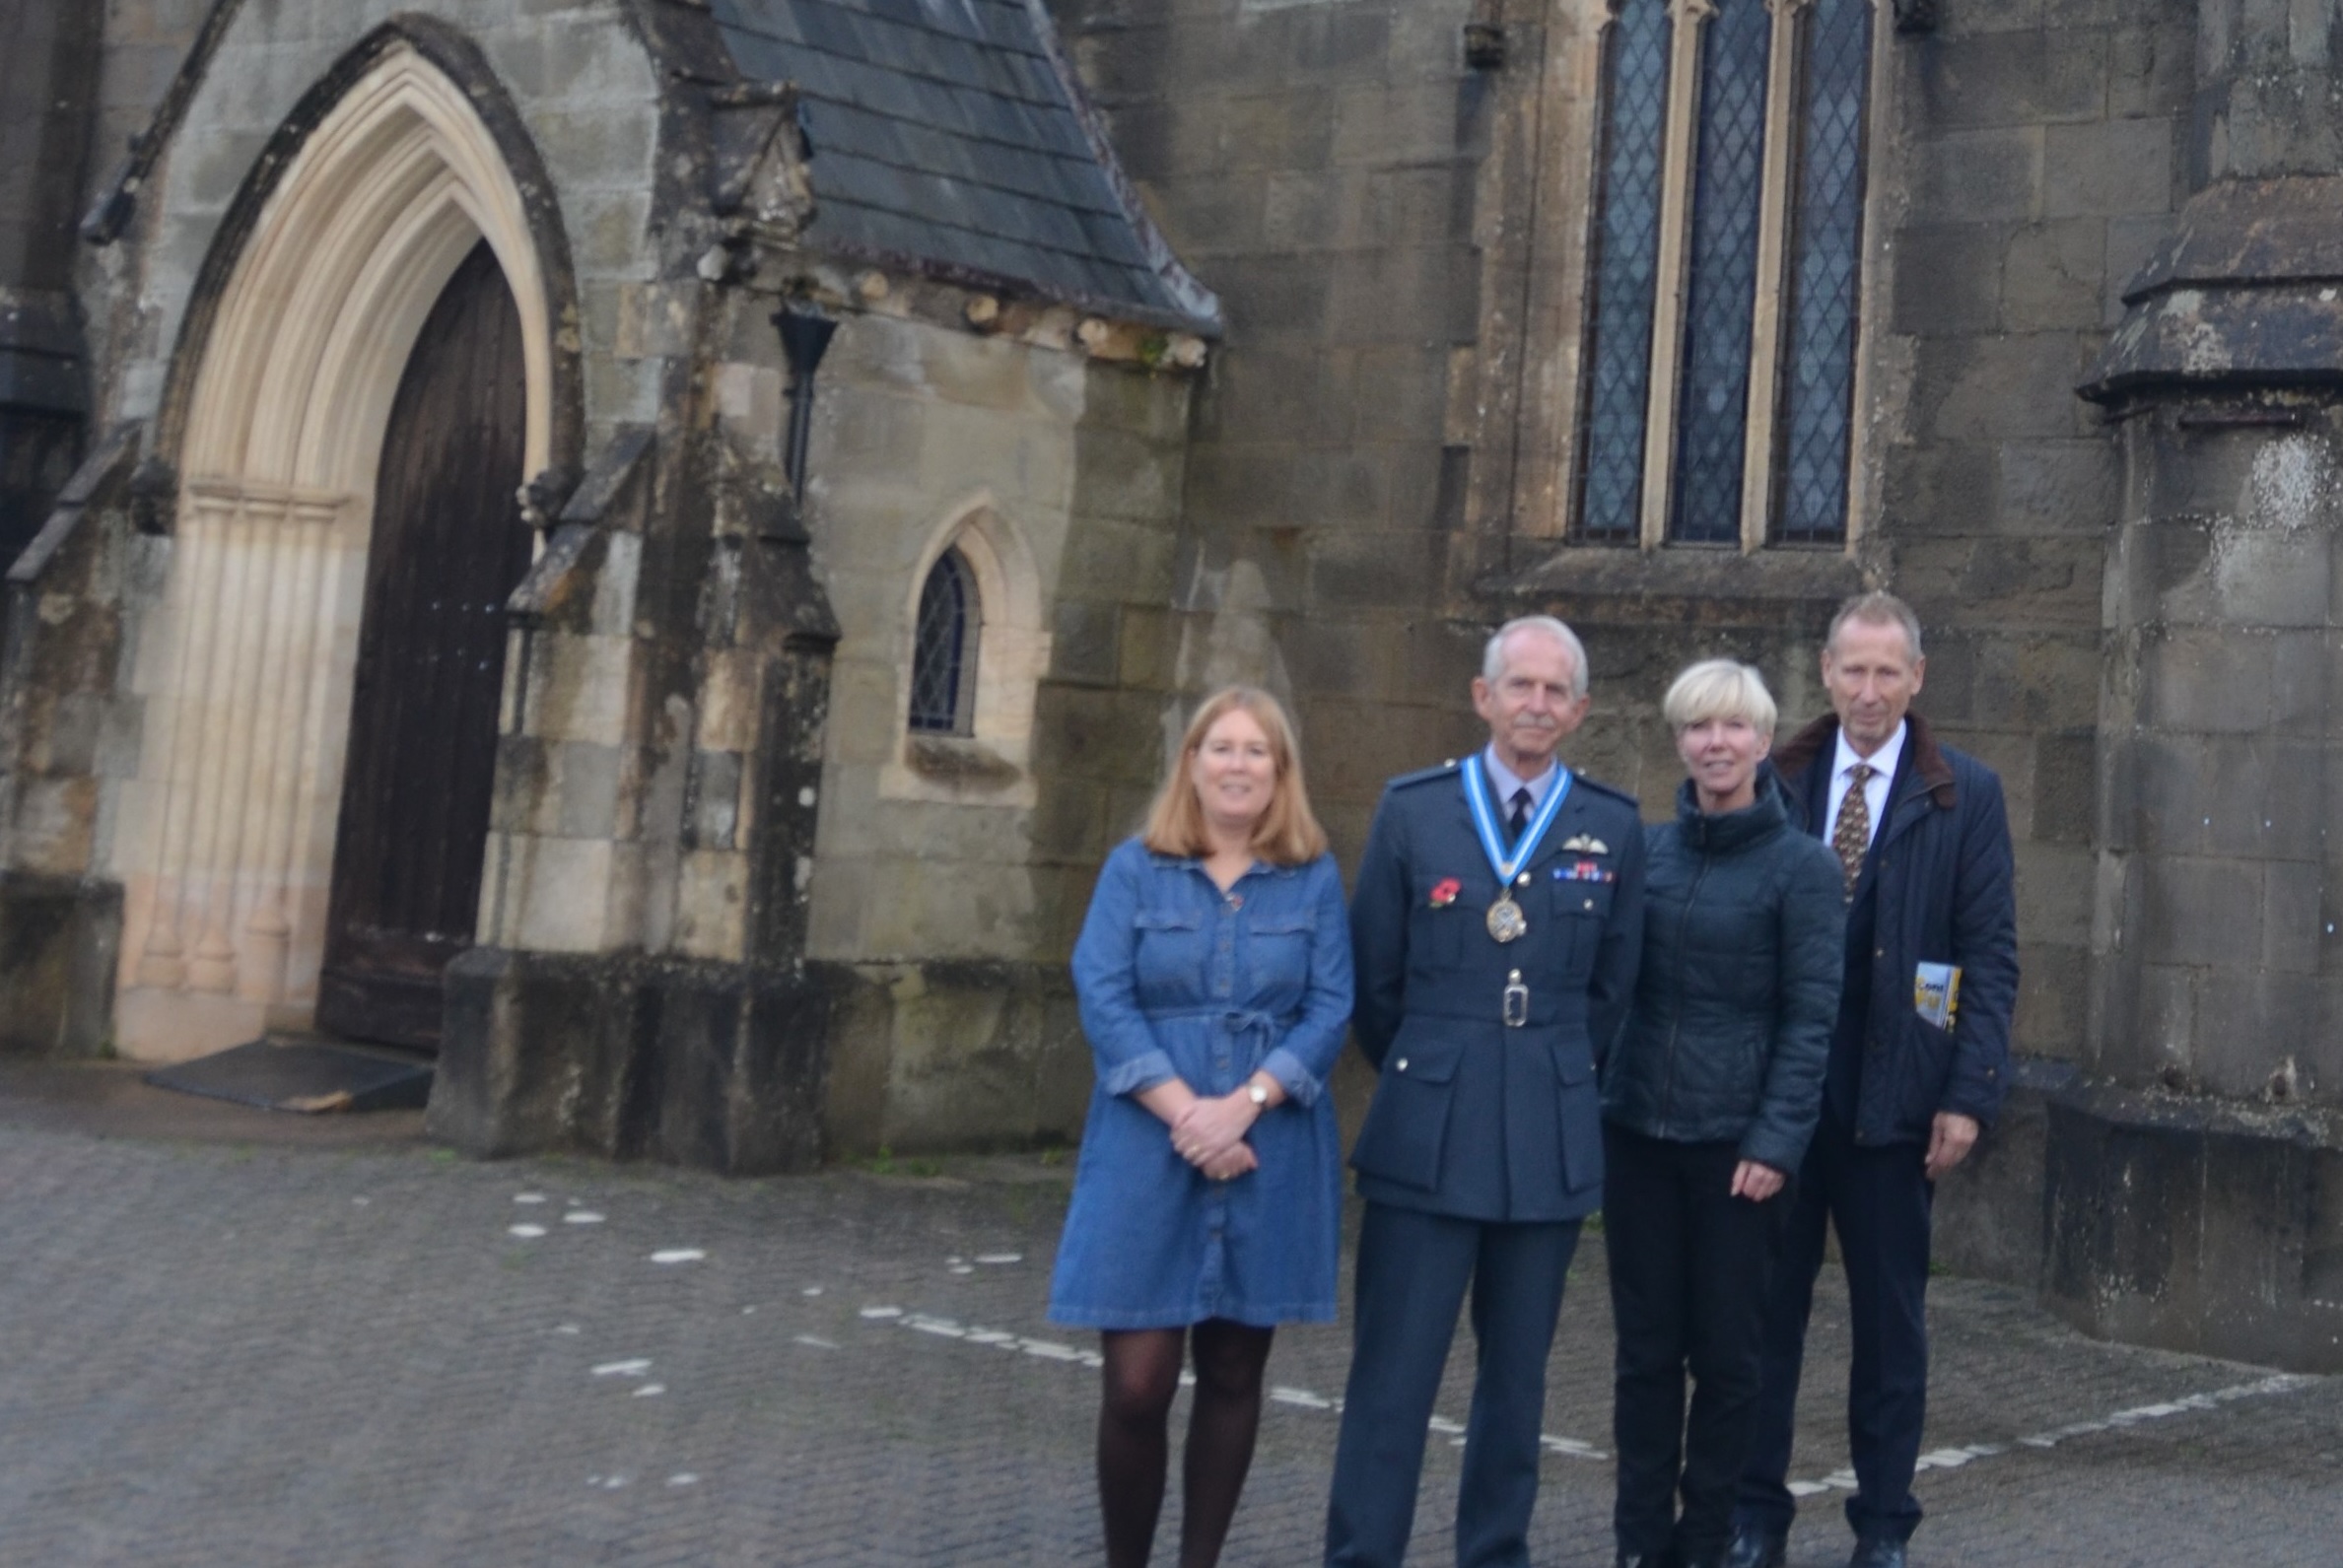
[1209, 1135]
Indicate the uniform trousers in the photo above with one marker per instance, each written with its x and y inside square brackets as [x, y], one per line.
[1690, 1267]
[1414, 1270]
[1880, 1200]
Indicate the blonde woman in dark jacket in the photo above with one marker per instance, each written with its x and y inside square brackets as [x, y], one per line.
[1708, 1101]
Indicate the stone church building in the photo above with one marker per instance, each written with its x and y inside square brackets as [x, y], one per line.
[648, 548]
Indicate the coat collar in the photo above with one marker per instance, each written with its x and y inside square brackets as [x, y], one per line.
[1931, 773]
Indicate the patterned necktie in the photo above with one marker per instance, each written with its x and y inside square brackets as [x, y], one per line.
[1852, 835]
[1520, 818]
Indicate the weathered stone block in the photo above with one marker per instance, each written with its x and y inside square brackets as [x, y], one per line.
[1273, 297]
[1947, 278]
[715, 804]
[1086, 643]
[588, 788]
[624, 1056]
[2014, 78]
[2201, 911]
[2057, 487]
[1998, 389]
[1354, 570]
[1975, 176]
[2151, 69]
[1292, 128]
[60, 943]
[2055, 276]
[2109, 169]
[1120, 475]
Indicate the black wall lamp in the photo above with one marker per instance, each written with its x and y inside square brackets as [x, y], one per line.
[805, 338]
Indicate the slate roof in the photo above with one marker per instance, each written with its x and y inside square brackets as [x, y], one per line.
[953, 135]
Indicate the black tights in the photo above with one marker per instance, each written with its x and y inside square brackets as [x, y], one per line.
[1142, 1373]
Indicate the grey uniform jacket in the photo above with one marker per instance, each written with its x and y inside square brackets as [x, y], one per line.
[1472, 1118]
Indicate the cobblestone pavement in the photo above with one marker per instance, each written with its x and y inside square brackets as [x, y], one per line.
[231, 1339]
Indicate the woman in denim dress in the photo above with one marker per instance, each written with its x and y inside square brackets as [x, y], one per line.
[1214, 973]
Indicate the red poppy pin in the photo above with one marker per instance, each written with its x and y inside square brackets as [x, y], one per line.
[1444, 892]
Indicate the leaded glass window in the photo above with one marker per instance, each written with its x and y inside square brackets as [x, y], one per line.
[1626, 265]
[944, 650]
[1724, 273]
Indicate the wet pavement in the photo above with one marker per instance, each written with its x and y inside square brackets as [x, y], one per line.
[243, 1338]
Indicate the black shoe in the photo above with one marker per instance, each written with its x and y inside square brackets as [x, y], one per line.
[1757, 1547]
[1877, 1552]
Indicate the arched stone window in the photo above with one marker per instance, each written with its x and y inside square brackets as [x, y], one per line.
[972, 654]
[944, 651]
[1724, 273]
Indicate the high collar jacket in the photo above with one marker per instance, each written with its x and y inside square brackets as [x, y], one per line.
[1473, 1116]
[1942, 871]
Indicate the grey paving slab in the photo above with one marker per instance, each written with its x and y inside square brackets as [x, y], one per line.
[233, 1339]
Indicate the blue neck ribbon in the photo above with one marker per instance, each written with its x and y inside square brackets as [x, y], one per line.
[1485, 823]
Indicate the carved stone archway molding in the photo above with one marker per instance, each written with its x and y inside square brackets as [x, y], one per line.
[285, 382]
[1012, 654]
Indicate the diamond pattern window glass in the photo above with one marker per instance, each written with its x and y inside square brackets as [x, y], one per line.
[1713, 411]
[944, 650]
[1627, 242]
[1818, 370]
[1724, 274]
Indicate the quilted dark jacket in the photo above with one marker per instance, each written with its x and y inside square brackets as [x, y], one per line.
[1744, 951]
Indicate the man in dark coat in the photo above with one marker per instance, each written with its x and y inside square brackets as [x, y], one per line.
[1917, 1068]
[1496, 928]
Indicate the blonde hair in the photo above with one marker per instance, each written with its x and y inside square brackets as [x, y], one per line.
[1720, 688]
[1287, 834]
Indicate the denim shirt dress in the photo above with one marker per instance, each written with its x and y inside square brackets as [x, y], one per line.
[1177, 980]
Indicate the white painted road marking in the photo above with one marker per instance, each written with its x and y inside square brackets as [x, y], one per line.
[1943, 1458]
[1946, 1459]
[1051, 1350]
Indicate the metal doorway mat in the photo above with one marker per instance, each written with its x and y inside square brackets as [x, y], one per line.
[306, 1075]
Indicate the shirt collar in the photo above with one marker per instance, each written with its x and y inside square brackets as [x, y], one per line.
[1503, 781]
[1882, 762]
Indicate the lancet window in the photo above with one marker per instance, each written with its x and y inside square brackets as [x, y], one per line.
[944, 651]
[1724, 273]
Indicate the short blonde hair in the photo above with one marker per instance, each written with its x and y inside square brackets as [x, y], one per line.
[1288, 833]
[1720, 688]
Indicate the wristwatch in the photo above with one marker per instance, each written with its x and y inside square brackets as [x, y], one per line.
[1258, 1093]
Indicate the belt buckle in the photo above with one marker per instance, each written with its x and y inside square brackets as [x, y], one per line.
[1517, 1001]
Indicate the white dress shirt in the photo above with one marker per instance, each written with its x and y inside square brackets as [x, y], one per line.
[1875, 788]
[1503, 781]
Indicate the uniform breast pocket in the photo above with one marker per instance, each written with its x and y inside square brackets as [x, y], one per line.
[1437, 921]
[1582, 899]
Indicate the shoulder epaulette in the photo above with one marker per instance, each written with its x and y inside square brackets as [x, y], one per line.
[1446, 769]
[1602, 789]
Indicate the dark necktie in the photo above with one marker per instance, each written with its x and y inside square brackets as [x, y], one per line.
[1520, 818]
[1851, 836]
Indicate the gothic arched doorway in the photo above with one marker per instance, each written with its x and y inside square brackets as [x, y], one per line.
[447, 549]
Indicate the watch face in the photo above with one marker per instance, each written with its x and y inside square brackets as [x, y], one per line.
[1258, 1093]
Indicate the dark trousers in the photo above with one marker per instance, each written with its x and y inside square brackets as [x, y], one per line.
[1412, 1273]
[1879, 1200]
[1689, 1266]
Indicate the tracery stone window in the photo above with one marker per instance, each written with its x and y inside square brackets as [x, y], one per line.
[1724, 273]
[944, 649]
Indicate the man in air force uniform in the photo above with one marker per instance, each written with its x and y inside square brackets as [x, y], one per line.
[1496, 928]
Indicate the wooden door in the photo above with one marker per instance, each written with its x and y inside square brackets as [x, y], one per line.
[448, 548]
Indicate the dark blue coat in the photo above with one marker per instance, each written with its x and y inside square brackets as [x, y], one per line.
[1744, 950]
[1471, 1118]
[1943, 872]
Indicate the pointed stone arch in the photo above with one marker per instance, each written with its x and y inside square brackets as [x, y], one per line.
[1012, 654]
[392, 170]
